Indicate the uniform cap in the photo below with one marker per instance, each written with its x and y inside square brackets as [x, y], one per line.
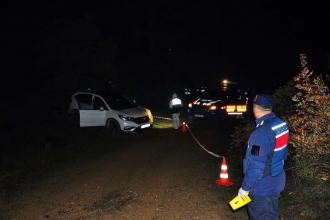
[264, 100]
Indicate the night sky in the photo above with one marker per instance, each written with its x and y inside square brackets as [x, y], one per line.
[192, 43]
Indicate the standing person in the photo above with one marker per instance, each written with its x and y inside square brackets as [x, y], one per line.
[175, 107]
[263, 166]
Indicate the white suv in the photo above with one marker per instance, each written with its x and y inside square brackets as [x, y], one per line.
[112, 110]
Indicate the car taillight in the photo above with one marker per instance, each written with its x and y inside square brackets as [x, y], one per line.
[230, 108]
[241, 108]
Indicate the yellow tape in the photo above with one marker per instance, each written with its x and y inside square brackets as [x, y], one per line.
[239, 202]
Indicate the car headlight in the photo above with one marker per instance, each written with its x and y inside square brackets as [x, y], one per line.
[190, 105]
[213, 107]
[150, 116]
[125, 118]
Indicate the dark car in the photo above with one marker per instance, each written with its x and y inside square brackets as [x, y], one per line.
[218, 105]
[237, 103]
[211, 105]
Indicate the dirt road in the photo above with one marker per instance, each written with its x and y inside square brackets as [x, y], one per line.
[160, 174]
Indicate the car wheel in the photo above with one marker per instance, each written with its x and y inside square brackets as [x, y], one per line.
[75, 118]
[113, 126]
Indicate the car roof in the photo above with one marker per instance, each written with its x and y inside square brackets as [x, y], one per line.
[97, 92]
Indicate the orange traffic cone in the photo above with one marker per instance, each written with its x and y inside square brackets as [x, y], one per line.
[223, 178]
[183, 127]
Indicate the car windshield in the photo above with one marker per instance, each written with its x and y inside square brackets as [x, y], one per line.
[237, 95]
[118, 102]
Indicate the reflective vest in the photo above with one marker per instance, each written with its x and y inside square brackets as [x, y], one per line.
[175, 105]
[176, 101]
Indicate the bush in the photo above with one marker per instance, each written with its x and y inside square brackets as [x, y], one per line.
[240, 136]
[284, 106]
[310, 125]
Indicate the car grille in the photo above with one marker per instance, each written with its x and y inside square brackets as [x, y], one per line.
[141, 120]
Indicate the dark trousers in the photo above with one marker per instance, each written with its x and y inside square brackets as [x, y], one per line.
[263, 208]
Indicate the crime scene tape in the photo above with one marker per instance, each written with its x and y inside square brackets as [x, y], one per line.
[202, 146]
[194, 137]
[159, 117]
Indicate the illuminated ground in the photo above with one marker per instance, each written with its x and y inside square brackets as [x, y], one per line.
[157, 174]
[162, 123]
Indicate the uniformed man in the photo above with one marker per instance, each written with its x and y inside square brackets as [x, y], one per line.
[175, 107]
[263, 166]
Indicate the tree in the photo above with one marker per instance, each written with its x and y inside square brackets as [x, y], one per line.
[310, 125]
[284, 106]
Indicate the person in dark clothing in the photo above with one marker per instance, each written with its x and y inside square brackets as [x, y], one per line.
[263, 166]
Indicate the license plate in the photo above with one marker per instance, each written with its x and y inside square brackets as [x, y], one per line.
[235, 113]
[145, 126]
[199, 116]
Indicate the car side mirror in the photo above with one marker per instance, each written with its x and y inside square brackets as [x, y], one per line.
[101, 108]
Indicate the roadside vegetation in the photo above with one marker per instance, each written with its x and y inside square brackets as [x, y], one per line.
[304, 103]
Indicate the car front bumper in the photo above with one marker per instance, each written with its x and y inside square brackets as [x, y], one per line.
[129, 126]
